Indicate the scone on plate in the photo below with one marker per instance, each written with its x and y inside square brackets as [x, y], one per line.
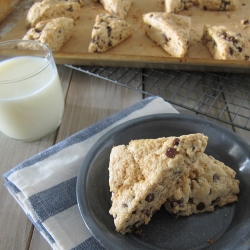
[108, 32]
[175, 6]
[210, 183]
[116, 7]
[144, 174]
[225, 44]
[54, 33]
[41, 11]
[170, 31]
[219, 5]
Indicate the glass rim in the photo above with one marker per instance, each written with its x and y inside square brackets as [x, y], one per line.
[50, 58]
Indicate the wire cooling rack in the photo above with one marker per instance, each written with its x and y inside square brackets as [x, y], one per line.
[222, 96]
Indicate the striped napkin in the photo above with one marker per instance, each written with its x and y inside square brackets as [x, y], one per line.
[45, 185]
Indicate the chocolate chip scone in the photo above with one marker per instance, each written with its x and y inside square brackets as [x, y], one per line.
[116, 7]
[210, 183]
[224, 44]
[170, 31]
[41, 11]
[219, 5]
[54, 33]
[108, 32]
[175, 6]
[144, 174]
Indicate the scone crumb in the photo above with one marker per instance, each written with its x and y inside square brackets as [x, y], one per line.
[210, 241]
[244, 23]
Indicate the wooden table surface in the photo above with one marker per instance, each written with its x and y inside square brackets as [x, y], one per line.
[87, 100]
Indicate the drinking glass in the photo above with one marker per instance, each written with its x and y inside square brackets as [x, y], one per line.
[31, 96]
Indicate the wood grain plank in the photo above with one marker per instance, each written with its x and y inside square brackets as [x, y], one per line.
[91, 99]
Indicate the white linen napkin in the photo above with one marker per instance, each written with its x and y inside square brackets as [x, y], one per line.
[45, 185]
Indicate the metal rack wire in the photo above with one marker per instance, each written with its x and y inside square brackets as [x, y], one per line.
[222, 96]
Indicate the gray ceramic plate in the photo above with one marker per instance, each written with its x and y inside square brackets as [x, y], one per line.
[228, 227]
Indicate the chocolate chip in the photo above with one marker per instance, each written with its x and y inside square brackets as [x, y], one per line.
[134, 212]
[191, 201]
[171, 152]
[216, 201]
[133, 227]
[216, 178]
[109, 30]
[146, 212]
[173, 204]
[166, 38]
[125, 205]
[96, 38]
[200, 206]
[231, 51]
[71, 9]
[110, 44]
[180, 201]
[177, 171]
[150, 197]
[176, 142]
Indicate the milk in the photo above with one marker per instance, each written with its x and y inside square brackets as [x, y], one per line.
[33, 107]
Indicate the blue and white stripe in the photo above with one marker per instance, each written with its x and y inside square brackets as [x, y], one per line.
[45, 185]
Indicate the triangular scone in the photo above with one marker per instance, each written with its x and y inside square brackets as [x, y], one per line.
[175, 6]
[219, 5]
[108, 32]
[54, 33]
[41, 11]
[144, 174]
[170, 31]
[224, 44]
[210, 183]
[116, 7]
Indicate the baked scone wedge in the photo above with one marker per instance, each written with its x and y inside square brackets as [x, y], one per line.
[116, 7]
[170, 31]
[41, 11]
[219, 5]
[108, 32]
[54, 33]
[175, 6]
[224, 44]
[144, 174]
[210, 183]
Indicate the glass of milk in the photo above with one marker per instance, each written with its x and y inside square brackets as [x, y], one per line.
[31, 96]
